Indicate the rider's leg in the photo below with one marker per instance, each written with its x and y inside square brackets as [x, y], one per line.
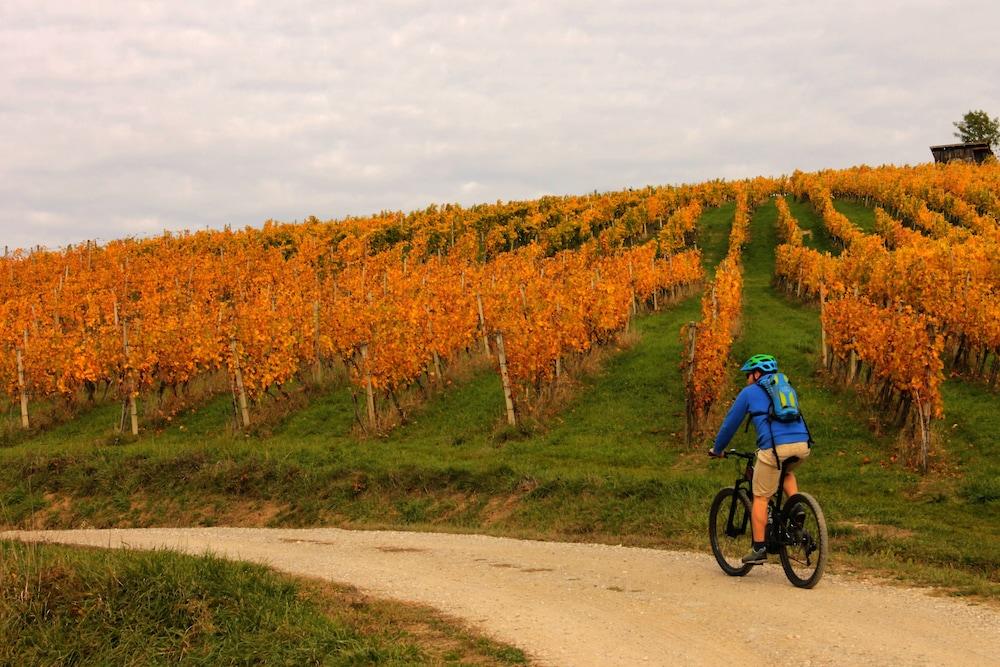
[791, 486]
[758, 517]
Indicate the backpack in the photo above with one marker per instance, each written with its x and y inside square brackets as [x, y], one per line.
[784, 405]
[784, 400]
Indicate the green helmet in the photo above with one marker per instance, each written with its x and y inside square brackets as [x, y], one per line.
[760, 362]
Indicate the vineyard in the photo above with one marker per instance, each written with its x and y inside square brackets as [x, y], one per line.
[903, 295]
[390, 302]
[365, 372]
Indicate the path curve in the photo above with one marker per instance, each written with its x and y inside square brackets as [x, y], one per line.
[593, 604]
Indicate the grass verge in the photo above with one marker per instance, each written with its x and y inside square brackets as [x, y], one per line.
[71, 605]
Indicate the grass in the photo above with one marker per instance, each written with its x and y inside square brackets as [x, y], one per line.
[609, 467]
[68, 605]
[811, 221]
[862, 216]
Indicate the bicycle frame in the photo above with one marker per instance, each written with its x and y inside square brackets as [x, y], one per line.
[743, 483]
[772, 538]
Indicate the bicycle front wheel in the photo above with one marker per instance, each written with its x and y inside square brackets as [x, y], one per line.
[729, 531]
[803, 541]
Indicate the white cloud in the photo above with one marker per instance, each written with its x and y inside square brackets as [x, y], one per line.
[121, 119]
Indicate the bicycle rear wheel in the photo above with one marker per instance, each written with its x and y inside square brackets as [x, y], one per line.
[729, 531]
[804, 541]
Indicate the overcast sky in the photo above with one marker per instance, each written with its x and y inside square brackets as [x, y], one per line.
[128, 118]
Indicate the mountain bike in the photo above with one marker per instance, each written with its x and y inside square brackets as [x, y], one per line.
[796, 529]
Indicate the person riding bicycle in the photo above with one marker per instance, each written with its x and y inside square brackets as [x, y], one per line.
[776, 441]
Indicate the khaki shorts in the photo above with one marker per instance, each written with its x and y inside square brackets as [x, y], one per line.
[765, 472]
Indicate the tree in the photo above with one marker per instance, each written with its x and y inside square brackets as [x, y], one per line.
[978, 126]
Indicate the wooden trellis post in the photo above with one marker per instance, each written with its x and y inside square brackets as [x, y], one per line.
[924, 419]
[369, 389]
[434, 353]
[129, 403]
[691, 417]
[241, 393]
[133, 410]
[822, 327]
[318, 368]
[482, 324]
[437, 367]
[505, 380]
[558, 356]
[852, 364]
[24, 394]
[673, 286]
[631, 279]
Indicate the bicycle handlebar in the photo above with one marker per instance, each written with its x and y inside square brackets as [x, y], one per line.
[733, 452]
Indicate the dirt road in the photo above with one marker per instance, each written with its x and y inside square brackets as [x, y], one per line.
[589, 604]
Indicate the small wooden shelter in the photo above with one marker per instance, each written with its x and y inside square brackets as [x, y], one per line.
[971, 152]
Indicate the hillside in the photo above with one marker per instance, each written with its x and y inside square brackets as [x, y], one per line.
[605, 461]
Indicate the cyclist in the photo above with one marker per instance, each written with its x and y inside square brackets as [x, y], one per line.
[776, 441]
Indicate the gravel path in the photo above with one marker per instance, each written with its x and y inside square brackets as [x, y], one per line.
[591, 604]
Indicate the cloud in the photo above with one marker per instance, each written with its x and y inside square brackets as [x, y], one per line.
[118, 120]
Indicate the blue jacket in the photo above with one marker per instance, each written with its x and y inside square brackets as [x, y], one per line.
[754, 399]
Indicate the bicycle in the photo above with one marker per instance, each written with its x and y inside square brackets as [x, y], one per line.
[796, 530]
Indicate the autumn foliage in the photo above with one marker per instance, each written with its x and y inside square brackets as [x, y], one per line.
[709, 341]
[391, 298]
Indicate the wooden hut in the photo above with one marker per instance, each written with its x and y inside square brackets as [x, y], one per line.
[971, 152]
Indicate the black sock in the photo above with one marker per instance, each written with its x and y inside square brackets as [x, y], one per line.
[757, 546]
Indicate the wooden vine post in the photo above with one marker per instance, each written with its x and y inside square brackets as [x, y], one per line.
[318, 368]
[241, 393]
[24, 394]
[369, 389]
[558, 357]
[923, 421]
[822, 327]
[129, 402]
[505, 379]
[924, 411]
[656, 288]
[437, 367]
[673, 285]
[438, 375]
[852, 364]
[631, 280]
[133, 411]
[691, 417]
[482, 324]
